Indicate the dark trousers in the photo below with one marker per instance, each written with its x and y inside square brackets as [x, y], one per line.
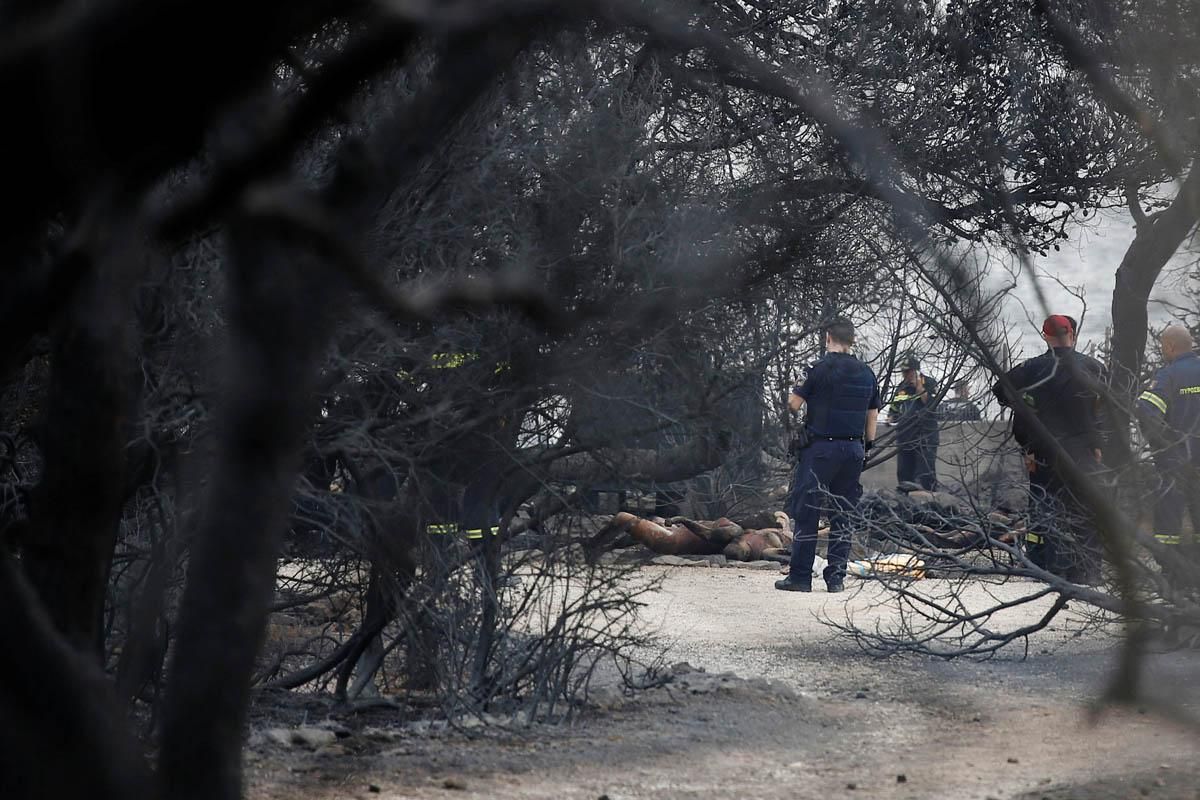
[1179, 493]
[826, 480]
[1062, 536]
[917, 464]
[464, 515]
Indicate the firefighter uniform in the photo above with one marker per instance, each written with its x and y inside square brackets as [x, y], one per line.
[917, 436]
[838, 390]
[1169, 412]
[1059, 386]
[469, 509]
[479, 512]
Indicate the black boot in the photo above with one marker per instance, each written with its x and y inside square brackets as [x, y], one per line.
[793, 584]
[833, 580]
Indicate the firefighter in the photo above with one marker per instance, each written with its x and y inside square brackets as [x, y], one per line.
[1061, 387]
[462, 489]
[912, 410]
[842, 397]
[1169, 414]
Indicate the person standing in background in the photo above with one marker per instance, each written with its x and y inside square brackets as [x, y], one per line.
[912, 411]
[1061, 388]
[959, 408]
[841, 396]
[1169, 414]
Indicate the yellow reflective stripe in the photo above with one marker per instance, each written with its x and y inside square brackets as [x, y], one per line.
[451, 360]
[900, 398]
[456, 360]
[1167, 538]
[1033, 538]
[1154, 400]
[1029, 400]
[477, 533]
[1190, 390]
[472, 533]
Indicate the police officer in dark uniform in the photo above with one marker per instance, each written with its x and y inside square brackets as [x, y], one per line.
[1169, 413]
[912, 411]
[842, 397]
[1061, 388]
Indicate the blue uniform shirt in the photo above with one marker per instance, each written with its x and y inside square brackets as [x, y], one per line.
[839, 390]
[1172, 405]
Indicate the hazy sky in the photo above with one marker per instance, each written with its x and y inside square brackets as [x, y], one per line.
[1089, 260]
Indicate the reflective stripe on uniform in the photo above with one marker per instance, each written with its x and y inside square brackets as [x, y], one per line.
[441, 530]
[456, 360]
[451, 360]
[1154, 400]
[1033, 538]
[477, 533]
[1168, 538]
[1190, 390]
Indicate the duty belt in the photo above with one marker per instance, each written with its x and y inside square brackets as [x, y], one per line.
[838, 438]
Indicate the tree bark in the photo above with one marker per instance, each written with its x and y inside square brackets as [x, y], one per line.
[680, 463]
[280, 318]
[1156, 241]
[366, 656]
[75, 512]
[62, 733]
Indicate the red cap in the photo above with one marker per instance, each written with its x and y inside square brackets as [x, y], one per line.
[1058, 325]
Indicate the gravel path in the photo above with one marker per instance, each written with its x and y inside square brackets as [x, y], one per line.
[832, 722]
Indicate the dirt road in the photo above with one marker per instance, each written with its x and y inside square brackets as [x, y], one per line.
[834, 722]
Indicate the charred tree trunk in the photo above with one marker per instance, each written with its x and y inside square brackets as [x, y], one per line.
[63, 735]
[365, 657]
[1158, 238]
[75, 512]
[280, 318]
